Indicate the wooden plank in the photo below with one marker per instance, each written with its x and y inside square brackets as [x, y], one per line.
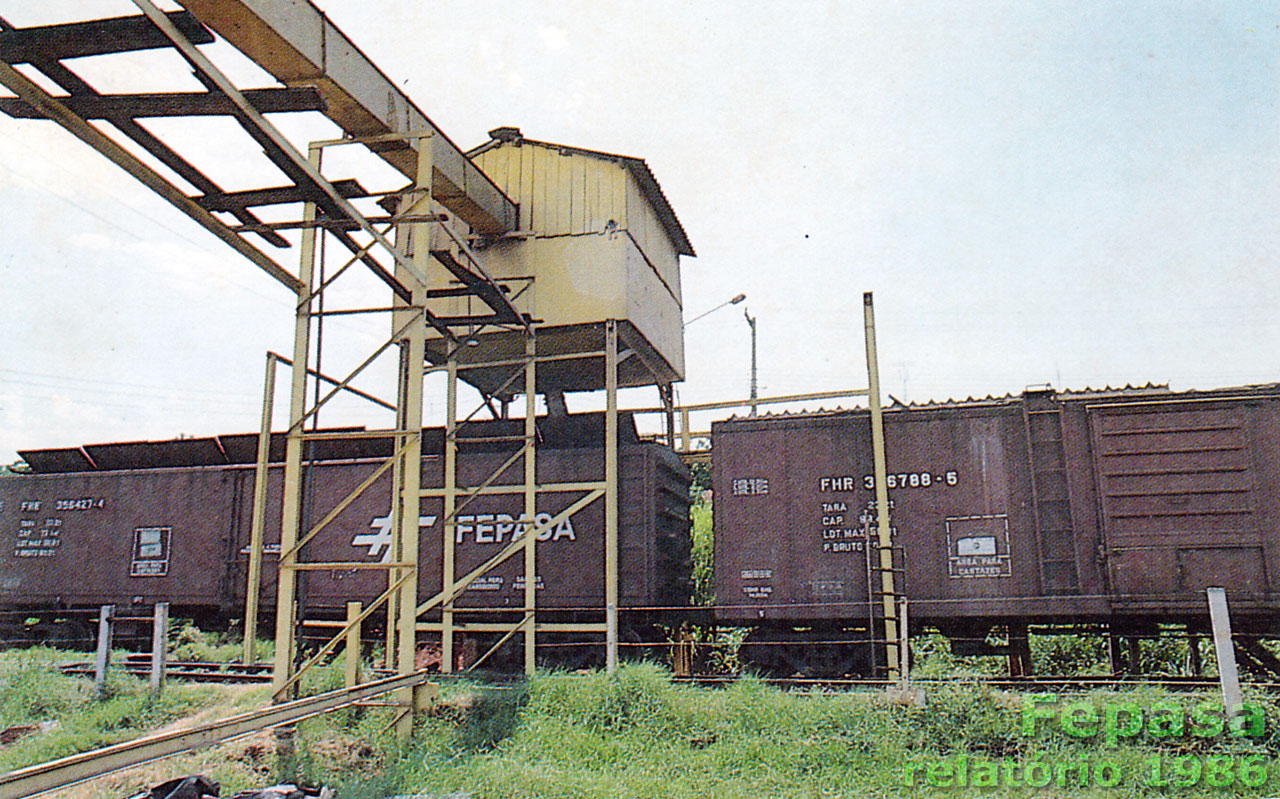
[563, 192]
[527, 187]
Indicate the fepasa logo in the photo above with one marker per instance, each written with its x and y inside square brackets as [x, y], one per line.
[481, 528]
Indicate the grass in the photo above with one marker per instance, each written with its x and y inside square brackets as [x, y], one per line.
[32, 691]
[636, 734]
[639, 735]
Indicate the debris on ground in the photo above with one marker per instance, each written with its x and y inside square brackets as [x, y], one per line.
[201, 787]
[20, 731]
[195, 787]
[287, 791]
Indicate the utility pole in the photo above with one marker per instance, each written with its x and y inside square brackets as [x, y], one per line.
[751, 320]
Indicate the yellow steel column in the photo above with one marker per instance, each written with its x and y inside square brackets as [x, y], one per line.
[450, 511]
[352, 648]
[253, 589]
[530, 505]
[410, 488]
[611, 495]
[686, 441]
[291, 513]
[888, 595]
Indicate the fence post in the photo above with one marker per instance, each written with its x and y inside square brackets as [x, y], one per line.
[159, 647]
[106, 617]
[1220, 618]
[353, 644]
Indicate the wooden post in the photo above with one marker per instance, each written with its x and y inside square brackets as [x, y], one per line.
[286, 752]
[106, 622]
[352, 648]
[1194, 662]
[1220, 618]
[159, 647]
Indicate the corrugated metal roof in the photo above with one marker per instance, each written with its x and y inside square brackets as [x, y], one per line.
[1148, 391]
[565, 432]
[636, 166]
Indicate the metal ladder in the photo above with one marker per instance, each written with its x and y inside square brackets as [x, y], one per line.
[1042, 417]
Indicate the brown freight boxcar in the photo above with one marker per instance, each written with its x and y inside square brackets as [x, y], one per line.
[139, 523]
[1113, 508]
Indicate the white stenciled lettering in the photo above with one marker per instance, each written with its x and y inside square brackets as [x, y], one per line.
[838, 483]
[749, 486]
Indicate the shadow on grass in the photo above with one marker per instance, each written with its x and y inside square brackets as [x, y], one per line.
[491, 718]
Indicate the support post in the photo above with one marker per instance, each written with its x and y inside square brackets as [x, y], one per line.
[1194, 662]
[253, 590]
[686, 440]
[751, 320]
[530, 506]
[904, 647]
[352, 648]
[291, 511]
[409, 420]
[611, 495]
[884, 536]
[159, 647]
[1228, 673]
[666, 395]
[450, 513]
[106, 624]
[1115, 652]
[286, 753]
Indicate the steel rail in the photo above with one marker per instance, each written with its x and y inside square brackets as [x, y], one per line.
[43, 777]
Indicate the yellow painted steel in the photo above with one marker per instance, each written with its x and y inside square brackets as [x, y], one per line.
[450, 517]
[291, 512]
[594, 243]
[351, 672]
[409, 496]
[611, 497]
[884, 537]
[253, 588]
[37, 779]
[530, 506]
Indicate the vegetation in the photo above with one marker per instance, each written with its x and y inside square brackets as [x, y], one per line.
[34, 691]
[634, 735]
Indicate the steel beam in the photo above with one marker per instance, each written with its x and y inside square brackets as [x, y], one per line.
[65, 771]
[172, 104]
[96, 37]
[299, 46]
[52, 108]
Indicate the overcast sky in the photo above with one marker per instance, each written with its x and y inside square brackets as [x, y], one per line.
[1081, 194]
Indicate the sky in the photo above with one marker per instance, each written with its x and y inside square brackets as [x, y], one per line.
[1079, 194]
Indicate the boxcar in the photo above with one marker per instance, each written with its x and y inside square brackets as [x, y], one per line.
[1114, 507]
[138, 523]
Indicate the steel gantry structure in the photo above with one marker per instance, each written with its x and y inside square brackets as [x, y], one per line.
[418, 249]
[417, 246]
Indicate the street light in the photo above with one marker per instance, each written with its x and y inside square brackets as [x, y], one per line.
[733, 301]
[751, 320]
